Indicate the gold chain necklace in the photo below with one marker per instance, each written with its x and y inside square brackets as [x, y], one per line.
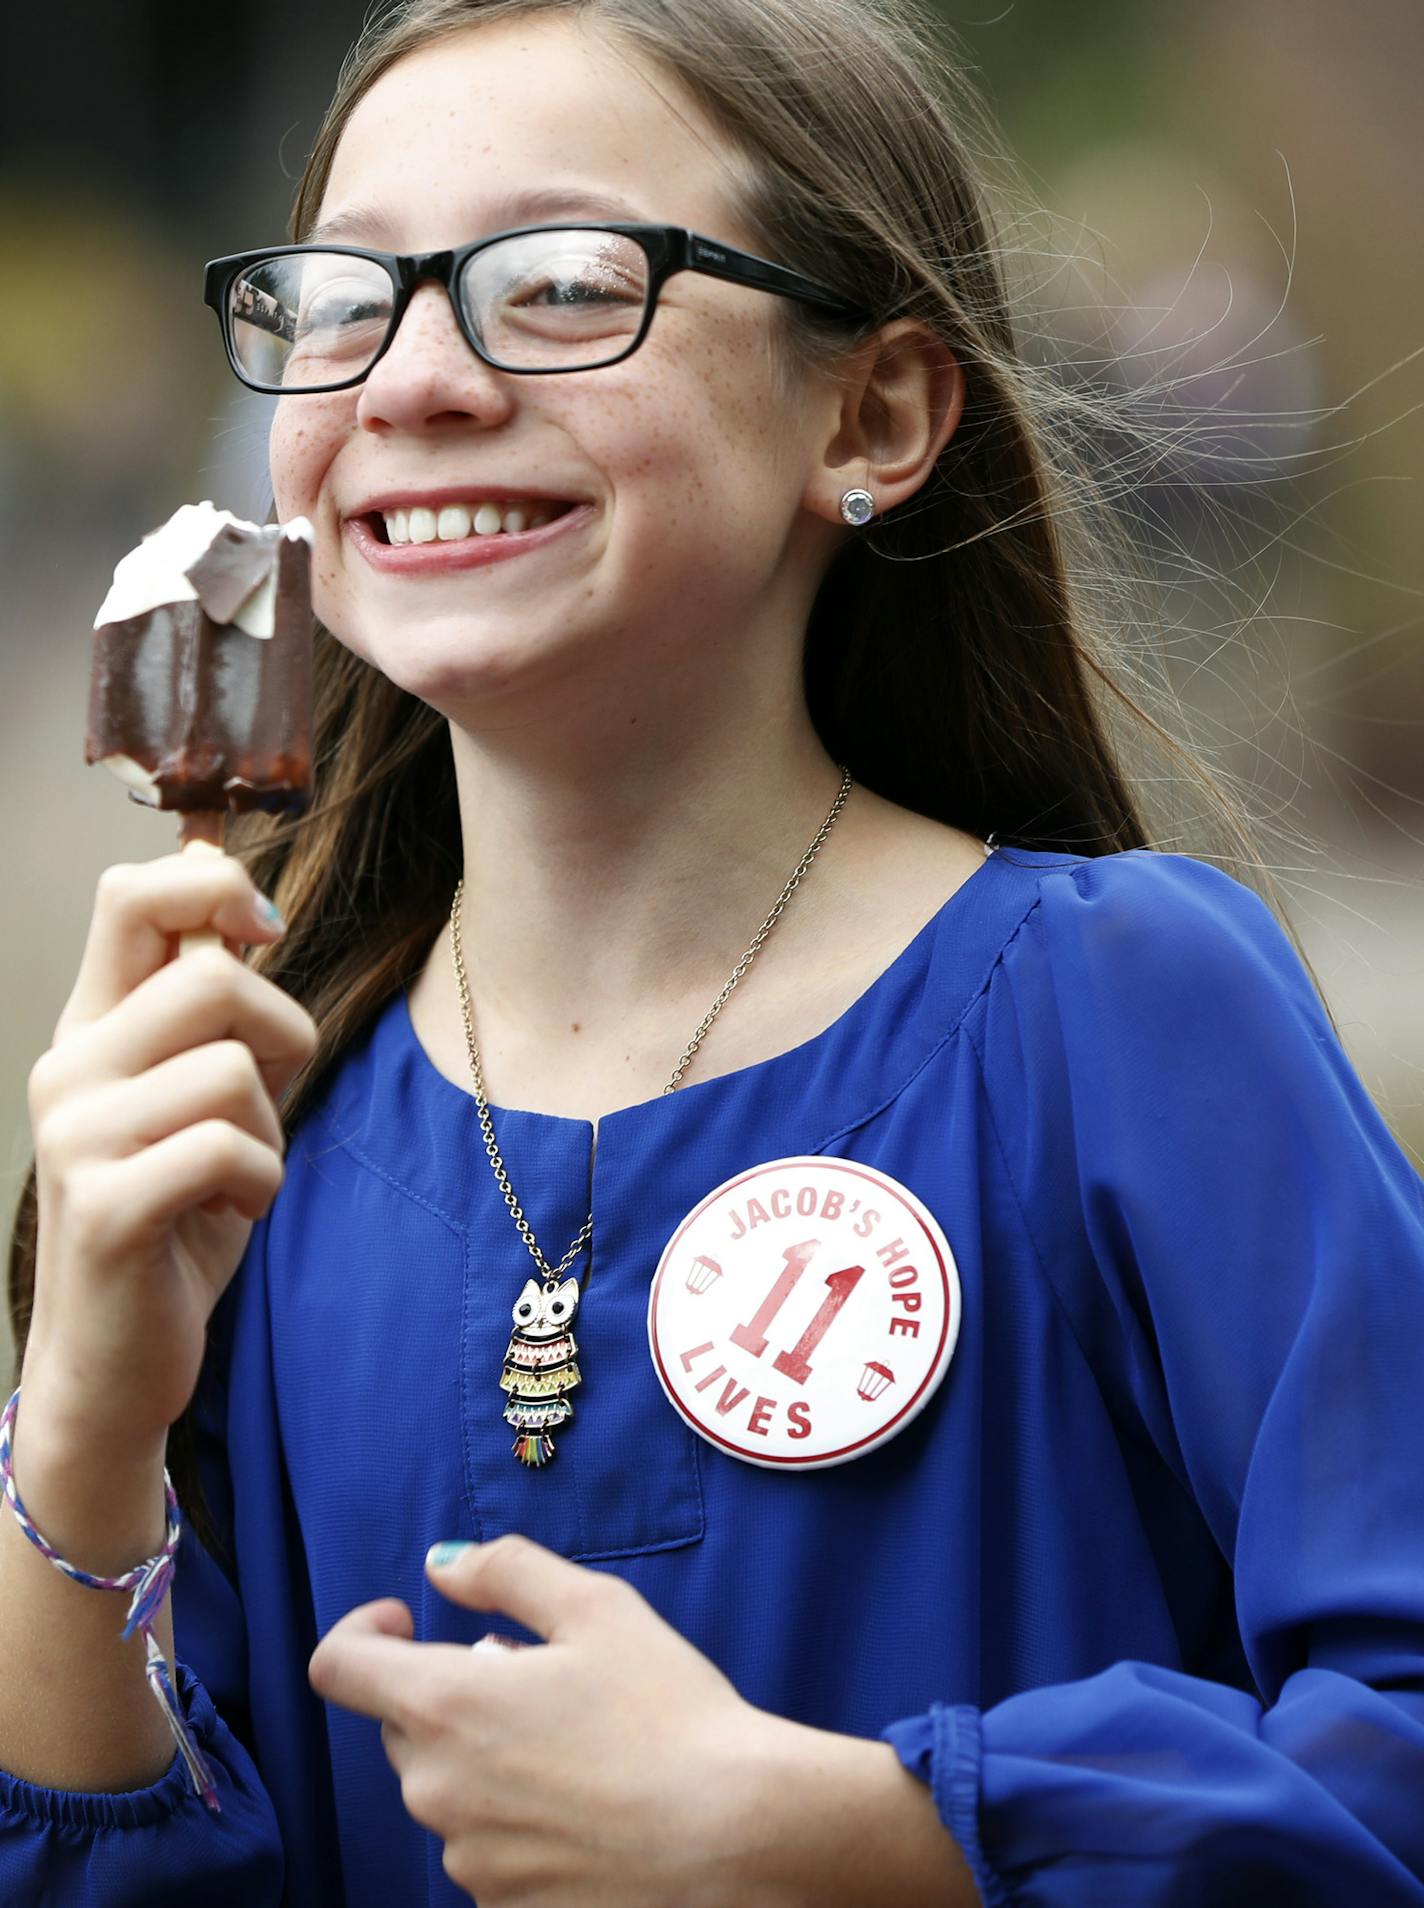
[540, 1362]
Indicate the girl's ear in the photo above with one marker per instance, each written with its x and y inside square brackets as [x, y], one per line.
[901, 399]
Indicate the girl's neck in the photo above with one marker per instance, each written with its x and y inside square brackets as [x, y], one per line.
[591, 895]
[617, 869]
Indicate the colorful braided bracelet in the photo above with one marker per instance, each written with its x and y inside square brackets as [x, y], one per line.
[149, 1583]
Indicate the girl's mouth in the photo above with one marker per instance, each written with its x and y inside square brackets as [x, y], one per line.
[371, 534]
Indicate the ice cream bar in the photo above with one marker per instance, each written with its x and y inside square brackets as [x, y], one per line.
[200, 690]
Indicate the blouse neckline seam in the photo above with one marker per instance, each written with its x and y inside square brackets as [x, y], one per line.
[350, 1146]
[927, 934]
[943, 1038]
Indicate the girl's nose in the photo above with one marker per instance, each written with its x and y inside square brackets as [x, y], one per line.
[429, 372]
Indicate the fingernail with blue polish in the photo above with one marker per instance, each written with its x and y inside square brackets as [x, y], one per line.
[267, 914]
[439, 1555]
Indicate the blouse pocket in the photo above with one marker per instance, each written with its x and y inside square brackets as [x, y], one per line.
[625, 1475]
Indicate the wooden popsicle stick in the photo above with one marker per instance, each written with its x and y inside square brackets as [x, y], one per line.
[200, 830]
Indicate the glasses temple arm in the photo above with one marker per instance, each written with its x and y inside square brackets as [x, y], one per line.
[744, 268]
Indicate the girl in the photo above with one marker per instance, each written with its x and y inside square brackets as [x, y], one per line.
[929, 1379]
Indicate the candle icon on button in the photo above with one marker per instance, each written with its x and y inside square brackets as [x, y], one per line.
[702, 1274]
[875, 1378]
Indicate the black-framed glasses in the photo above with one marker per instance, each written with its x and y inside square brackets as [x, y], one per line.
[535, 298]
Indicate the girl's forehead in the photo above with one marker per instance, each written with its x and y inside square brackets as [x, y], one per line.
[523, 104]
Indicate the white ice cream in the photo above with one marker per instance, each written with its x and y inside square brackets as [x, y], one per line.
[153, 574]
[130, 772]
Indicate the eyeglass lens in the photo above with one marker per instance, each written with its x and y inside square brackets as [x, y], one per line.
[539, 301]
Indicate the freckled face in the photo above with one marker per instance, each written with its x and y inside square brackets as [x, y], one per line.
[695, 466]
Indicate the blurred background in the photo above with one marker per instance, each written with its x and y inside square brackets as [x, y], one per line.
[1228, 204]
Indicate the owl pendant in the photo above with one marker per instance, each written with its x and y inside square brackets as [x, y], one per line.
[539, 1367]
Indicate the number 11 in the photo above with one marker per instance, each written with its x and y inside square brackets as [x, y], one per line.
[796, 1363]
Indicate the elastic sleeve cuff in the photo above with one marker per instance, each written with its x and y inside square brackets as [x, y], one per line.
[942, 1748]
[134, 1808]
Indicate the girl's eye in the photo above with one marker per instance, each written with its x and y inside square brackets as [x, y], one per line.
[331, 314]
[570, 293]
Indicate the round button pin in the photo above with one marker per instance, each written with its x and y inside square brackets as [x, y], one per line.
[804, 1312]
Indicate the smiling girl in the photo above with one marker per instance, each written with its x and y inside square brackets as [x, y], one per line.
[894, 1279]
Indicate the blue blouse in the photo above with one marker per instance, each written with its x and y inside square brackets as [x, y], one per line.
[1139, 1593]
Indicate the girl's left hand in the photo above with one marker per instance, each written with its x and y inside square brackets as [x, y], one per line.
[613, 1767]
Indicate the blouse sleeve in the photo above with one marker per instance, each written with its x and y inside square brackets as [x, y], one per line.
[1254, 1299]
[162, 1847]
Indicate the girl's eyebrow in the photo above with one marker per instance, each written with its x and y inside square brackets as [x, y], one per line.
[365, 222]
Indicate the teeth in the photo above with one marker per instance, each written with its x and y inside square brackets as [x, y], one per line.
[456, 521]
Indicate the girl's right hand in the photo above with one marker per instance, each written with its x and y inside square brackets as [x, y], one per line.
[157, 1145]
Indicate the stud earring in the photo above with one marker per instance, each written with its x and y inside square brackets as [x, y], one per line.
[857, 506]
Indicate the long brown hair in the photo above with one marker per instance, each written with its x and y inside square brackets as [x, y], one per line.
[973, 656]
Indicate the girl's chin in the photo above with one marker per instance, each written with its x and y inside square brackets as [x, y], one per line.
[457, 664]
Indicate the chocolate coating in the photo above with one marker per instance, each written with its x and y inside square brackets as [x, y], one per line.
[218, 718]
